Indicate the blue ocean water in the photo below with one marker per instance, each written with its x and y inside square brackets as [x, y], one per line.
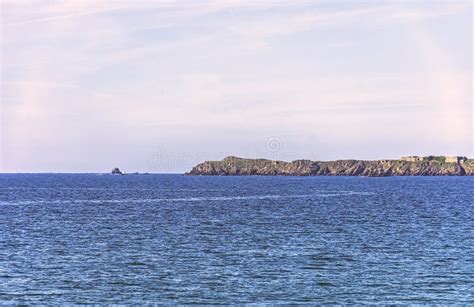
[91, 238]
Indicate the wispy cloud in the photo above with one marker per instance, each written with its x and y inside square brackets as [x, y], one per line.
[382, 13]
[57, 10]
[132, 74]
[36, 83]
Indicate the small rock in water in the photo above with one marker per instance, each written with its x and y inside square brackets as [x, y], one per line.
[116, 171]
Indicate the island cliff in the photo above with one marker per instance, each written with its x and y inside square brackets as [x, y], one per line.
[405, 166]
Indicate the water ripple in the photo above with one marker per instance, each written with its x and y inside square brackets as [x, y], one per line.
[87, 239]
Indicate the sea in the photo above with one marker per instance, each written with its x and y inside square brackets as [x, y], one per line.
[176, 239]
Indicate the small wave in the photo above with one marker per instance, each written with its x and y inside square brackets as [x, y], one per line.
[105, 189]
[187, 199]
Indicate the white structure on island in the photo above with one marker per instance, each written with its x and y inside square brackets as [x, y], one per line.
[446, 159]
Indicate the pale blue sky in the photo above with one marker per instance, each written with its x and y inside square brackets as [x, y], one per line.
[159, 85]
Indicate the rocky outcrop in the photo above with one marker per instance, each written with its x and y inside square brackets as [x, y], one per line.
[428, 166]
[116, 171]
[468, 166]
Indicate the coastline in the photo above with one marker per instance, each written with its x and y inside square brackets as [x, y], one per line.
[405, 166]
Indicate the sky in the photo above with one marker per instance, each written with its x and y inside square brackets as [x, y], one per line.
[161, 85]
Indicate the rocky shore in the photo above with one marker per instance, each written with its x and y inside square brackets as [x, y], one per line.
[405, 166]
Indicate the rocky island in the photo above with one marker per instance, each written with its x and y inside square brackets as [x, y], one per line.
[405, 166]
[117, 171]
